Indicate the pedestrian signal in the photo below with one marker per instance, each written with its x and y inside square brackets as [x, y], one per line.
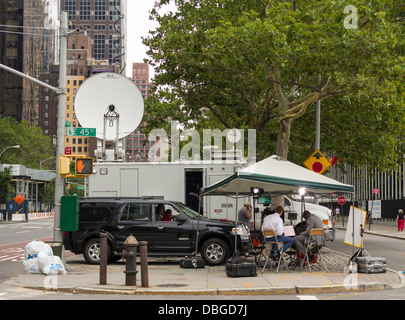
[84, 166]
[64, 165]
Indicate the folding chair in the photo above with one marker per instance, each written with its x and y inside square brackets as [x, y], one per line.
[273, 233]
[313, 232]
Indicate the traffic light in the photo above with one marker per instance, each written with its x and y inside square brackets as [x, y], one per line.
[64, 165]
[84, 166]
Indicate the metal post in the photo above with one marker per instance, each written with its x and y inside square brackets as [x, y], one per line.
[103, 258]
[59, 185]
[144, 263]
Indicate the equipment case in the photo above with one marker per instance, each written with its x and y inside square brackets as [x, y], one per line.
[241, 269]
[371, 264]
[189, 263]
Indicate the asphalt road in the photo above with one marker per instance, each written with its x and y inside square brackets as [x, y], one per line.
[16, 234]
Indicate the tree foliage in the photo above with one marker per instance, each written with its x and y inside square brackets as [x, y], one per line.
[34, 145]
[263, 64]
[5, 187]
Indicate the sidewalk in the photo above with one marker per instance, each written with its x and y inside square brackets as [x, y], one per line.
[167, 278]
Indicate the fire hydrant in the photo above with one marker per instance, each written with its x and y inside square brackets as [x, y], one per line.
[129, 254]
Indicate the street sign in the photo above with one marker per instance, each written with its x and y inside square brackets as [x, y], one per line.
[19, 199]
[341, 200]
[317, 162]
[68, 150]
[68, 123]
[81, 132]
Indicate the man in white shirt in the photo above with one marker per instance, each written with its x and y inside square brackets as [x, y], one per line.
[273, 221]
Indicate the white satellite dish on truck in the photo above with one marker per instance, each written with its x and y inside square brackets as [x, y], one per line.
[114, 106]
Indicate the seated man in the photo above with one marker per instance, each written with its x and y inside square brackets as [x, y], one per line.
[273, 221]
[301, 241]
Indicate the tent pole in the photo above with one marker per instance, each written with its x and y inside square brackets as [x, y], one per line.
[198, 230]
[353, 199]
[237, 215]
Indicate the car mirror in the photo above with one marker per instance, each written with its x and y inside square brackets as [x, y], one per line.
[180, 219]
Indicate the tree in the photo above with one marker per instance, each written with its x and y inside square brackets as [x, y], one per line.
[262, 64]
[34, 145]
[5, 186]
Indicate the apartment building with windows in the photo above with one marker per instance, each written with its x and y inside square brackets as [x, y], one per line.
[105, 22]
[138, 146]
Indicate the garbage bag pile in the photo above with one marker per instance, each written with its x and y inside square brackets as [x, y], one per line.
[39, 258]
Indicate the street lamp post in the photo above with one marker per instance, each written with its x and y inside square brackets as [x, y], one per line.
[16, 147]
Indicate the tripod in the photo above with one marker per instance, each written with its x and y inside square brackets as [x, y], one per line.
[361, 252]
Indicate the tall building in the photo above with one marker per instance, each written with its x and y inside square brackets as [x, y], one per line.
[138, 146]
[27, 44]
[105, 23]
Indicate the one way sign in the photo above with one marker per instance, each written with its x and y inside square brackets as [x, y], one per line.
[317, 162]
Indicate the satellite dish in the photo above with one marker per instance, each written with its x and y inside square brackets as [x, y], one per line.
[107, 93]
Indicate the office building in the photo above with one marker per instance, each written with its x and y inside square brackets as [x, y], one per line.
[138, 146]
[27, 44]
[105, 22]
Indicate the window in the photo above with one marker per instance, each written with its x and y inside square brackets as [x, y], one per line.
[99, 13]
[99, 46]
[161, 209]
[85, 6]
[95, 211]
[70, 7]
[136, 211]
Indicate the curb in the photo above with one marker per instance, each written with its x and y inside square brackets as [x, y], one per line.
[372, 286]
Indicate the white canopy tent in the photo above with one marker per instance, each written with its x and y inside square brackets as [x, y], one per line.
[276, 175]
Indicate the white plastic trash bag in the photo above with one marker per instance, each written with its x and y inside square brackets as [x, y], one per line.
[31, 266]
[50, 265]
[34, 247]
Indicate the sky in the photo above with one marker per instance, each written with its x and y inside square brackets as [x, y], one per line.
[138, 26]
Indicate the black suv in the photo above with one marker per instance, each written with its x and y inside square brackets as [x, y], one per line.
[142, 217]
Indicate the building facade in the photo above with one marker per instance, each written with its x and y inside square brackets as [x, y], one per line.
[105, 22]
[138, 146]
[27, 44]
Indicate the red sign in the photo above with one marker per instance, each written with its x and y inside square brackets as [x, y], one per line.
[68, 150]
[19, 199]
[376, 190]
[341, 200]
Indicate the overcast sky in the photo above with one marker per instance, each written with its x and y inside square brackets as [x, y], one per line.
[138, 27]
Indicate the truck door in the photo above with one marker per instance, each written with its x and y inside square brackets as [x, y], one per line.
[135, 219]
[193, 183]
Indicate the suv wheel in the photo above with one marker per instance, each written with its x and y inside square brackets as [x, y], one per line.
[215, 252]
[91, 251]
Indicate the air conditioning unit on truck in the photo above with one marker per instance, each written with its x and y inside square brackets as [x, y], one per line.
[180, 180]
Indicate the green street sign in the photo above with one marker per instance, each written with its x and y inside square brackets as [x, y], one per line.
[68, 123]
[81, 132]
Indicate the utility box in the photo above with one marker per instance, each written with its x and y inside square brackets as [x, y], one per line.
[69, 220]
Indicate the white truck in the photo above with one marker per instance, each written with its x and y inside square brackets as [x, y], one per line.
[178, 181]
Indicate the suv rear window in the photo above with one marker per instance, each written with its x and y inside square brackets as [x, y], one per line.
[136, 211]
[96, 211]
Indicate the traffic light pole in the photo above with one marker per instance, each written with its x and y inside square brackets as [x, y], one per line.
[61, 91]
[60, 137]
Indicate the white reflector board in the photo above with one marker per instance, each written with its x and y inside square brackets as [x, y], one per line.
[354, 228]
